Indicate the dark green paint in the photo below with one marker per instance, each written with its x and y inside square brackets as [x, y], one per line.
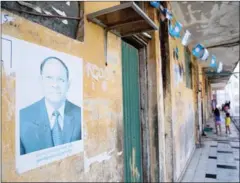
[131, 114]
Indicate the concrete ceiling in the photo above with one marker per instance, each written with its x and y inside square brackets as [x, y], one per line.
[216, 26]
[218, 86]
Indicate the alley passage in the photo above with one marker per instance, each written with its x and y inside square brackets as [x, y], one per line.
[217, 160]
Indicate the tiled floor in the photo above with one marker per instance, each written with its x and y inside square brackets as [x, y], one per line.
[217, 160]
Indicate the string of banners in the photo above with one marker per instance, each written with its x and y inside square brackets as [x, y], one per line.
[175, 28]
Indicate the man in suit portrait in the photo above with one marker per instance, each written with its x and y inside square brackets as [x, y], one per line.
[53, 120]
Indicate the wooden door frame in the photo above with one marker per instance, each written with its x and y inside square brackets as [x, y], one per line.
[199, 111]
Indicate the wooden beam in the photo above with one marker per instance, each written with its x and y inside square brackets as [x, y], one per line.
[124, 24]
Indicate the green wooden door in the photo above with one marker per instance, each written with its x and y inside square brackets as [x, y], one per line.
[131, 114]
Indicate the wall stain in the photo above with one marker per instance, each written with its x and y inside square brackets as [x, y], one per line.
[107, 125]
[134, 170]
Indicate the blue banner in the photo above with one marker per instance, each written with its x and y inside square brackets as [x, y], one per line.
[213, 63]
[175, 30]
[155, 4]
[198, 51]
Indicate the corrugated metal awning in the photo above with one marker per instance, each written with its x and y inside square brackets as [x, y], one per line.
[123, 20]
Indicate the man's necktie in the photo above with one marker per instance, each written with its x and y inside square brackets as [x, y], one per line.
[56, 131]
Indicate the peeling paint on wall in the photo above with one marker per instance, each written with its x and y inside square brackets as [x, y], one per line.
[8, 96]
[187, 136]
[183, 115]
[29, 5]
[99, 158]
[47, 12]
[101, 114]
[104, 130]
[68, 3]
[133, 166]
[65, 22]
[62, 13]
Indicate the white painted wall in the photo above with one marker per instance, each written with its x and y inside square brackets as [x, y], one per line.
[232, 89]
[221, 97]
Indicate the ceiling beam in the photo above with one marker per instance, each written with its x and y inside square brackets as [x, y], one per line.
[230, 44]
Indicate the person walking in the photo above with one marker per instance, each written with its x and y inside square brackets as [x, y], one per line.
[217, 119]
[227, 123]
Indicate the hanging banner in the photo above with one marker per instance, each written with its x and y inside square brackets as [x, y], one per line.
[175, 30]
[213, 63]
[161, 8]
[162, 16]
[155, 4]
[186, 38]
[165, 14]
[220, 67]
[198, 51]
[205, 55]
[168, 14]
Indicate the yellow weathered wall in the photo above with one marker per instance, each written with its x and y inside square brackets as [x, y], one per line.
[183, 114]
[204, 95]
[209, 109]
[195, 79]
[202, 82]
[155, 107]
[102, 120]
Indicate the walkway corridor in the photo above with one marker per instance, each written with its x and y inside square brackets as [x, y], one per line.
[217, 160]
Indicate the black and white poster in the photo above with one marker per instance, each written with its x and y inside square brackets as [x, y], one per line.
[49, 102]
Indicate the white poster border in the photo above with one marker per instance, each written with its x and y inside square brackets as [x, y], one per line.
[43, 157]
